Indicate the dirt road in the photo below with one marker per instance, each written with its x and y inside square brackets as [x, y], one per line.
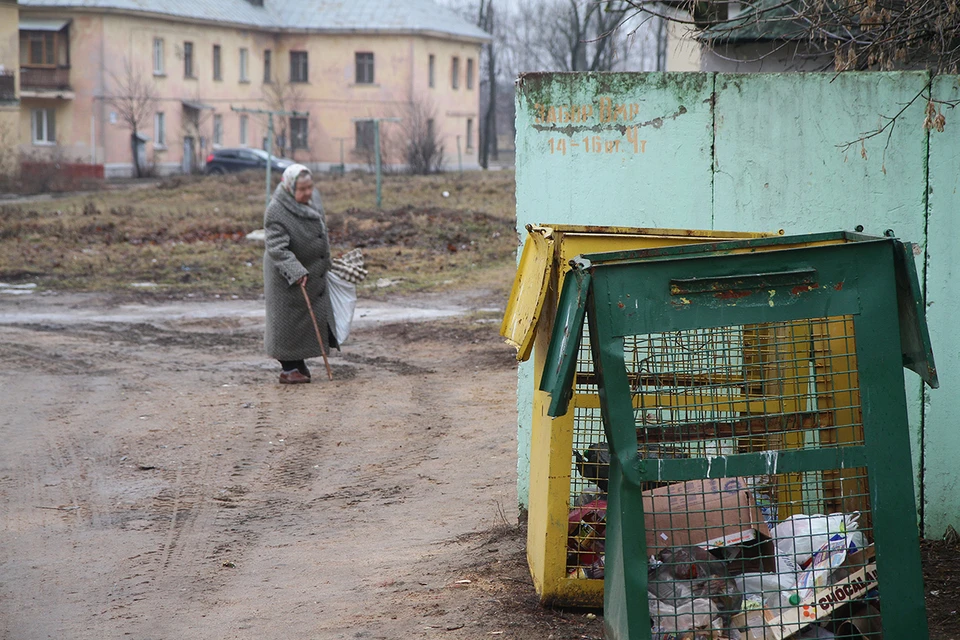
[156, 482]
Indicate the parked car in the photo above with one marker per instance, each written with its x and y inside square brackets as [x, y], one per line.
[231, 160]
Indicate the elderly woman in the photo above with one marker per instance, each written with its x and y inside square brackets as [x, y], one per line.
[297, 254]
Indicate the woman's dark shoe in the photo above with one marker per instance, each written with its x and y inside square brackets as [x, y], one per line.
[293, 377]
[306, 372]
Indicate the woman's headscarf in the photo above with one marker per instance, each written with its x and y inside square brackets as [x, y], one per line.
[290, 176]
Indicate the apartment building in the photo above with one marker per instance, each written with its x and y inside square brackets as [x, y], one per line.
[104, 81]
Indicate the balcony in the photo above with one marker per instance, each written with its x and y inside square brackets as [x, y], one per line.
[8, 87]
[45, 78]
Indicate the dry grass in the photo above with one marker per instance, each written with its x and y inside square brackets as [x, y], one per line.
[187, 235]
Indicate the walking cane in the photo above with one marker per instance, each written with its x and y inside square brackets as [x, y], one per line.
[323, 352]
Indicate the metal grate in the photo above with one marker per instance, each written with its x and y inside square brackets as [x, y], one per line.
[704, 393]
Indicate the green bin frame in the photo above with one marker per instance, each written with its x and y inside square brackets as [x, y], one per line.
[873, 280]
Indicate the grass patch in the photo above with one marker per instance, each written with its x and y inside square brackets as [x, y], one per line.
[187, 235]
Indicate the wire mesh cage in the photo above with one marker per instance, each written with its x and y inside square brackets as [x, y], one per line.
[706, 393]
[726, 485]
[560, 553]
[722, 391]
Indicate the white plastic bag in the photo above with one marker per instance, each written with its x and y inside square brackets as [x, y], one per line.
[800, 536]
[343, 299]
[765, 589]
[829, 557]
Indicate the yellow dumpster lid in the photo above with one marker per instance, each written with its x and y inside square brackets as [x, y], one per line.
[519, 326]
[529, 291]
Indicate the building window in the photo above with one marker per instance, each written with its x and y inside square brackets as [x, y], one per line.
[188, 60]
[455, 73]
[364, 68]
[432, 73]
[298, 133]
[217, 72]
[430, 132]
[267, 75]
[469, 134]
[158, 56]
[243, 130]
[38, 48]
[159, 130]
[299, 71]
[364, 135]
[469, 73]
[43, 126]
[243, 65]
[217, 129]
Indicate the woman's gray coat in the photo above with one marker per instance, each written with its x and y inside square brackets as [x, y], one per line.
[296, 245]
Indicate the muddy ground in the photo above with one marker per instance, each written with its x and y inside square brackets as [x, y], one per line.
[156, 482]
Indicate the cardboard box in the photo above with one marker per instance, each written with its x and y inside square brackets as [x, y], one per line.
[708, 513]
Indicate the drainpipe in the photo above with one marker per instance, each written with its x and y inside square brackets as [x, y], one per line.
[100, 106]
[413, 68]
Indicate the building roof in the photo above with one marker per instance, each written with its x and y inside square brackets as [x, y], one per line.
[762, 20]
[383, 16]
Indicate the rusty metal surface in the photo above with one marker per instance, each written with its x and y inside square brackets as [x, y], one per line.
[653, 232]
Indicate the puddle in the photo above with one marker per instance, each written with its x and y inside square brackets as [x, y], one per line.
[367, 313]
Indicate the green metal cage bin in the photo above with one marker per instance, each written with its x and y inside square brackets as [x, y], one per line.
[752, 396]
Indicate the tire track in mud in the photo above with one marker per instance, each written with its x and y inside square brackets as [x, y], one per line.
[330, 491]
[31, 357]
[48, 497]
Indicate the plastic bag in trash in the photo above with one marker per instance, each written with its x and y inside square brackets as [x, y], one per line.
[765, 590]
[694, 620]
[343, 299]
[818, 573]
[798, 537]
[693, 572]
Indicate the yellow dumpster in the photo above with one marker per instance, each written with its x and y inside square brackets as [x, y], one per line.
[565, 530]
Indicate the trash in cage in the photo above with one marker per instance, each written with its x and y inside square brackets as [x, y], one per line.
[586, 528]
[799, 537]
[712, 513]
[863, 623]
[594, 464]
[683, 573]
[696, 619]
[773, 365]
[588, 494]
[786, 611]
[555, 481]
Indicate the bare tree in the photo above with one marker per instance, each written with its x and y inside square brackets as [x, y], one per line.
[551, 35]
[9, 153]
[419, 141]
[660, 40]
[135, 100]
[856, 34]
[847, 35]
[570, 35]
[284, 96]
[488, 130]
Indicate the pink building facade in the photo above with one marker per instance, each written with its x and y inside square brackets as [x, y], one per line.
[181, 76]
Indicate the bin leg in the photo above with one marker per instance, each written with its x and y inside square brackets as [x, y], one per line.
[626, 611]
[887, 441]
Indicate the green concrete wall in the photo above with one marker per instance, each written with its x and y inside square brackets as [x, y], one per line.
[755, 152]
[941, 434]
